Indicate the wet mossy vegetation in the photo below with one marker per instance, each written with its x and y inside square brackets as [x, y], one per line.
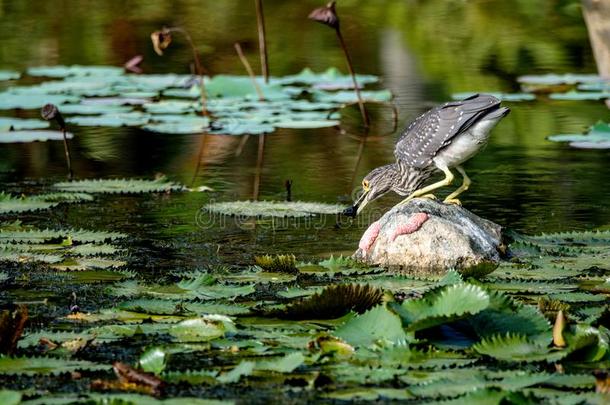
[94, 316]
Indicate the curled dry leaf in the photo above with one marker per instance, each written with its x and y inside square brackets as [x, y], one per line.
[326, 15]
[161, 40]
[12, 324]
[558, 327]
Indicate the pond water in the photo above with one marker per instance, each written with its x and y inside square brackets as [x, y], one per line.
[424, 51]
[521, 180]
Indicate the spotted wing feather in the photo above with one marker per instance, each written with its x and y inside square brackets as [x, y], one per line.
[435, 129]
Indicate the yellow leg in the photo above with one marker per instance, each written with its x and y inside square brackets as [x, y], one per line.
[426, 190]
[451, 198]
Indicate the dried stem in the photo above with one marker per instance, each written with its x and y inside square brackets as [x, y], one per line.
[202, 144]
[365, 116]
[244, 61]
[67, 152]
[241, 145]
[259, 167]
[199, 69]
[262, 39]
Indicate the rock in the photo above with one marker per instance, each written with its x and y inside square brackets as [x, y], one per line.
[426, 237]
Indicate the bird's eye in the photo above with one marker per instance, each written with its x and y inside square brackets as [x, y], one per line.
[365, 185]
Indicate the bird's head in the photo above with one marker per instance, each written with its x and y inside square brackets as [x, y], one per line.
[375, 184]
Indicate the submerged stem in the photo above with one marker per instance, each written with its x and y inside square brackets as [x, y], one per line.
[365, 116]
[262, 39]
[259, 167]
[67, 152]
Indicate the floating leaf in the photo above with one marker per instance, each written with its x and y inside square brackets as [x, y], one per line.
[333, 302]
[74, 70]
[88, 109]
[346, 97]
[580, 95]
[516, 348]
[119, 186]
[10, 100]
[16, 124]
[130, 119]
[9, 75]
[273, 208]
[9, 203]
[153, 360]
[44, 365]
[378, 323]
[443, 305]
[245, 368]
[277, 263]
[32, 136]
[285, 364]
[553, 79]
[509, 97]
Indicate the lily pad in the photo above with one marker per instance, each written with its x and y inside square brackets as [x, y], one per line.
[509, 97]
[273, 208]
[597, 137]
[9, 203]
[88, 109]
[15, 124]
[129, 119]
[119, 186]
[9, 75]
[74, 70]
[345, 97]
[580, 95]
[9, 100]
[32, 136]
[171, 107]
[178, 124]
[554, 79]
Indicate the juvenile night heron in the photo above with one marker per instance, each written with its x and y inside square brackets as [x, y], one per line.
[440, 139]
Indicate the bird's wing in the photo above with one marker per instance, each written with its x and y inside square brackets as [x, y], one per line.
[435, 129]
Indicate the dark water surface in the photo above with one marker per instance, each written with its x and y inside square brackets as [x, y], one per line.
[423, 50]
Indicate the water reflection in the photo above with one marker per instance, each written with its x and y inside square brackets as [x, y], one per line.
[424, 51]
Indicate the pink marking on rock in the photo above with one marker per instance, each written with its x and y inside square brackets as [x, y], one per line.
[412, 225]
[369, 236]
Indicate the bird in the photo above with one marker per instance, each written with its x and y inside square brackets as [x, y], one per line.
[441, 139]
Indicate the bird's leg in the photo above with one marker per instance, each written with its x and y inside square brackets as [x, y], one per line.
[428, 196]
[426, 190]
[451, 198]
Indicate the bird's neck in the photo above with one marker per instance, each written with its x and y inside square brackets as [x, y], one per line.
[409, 179]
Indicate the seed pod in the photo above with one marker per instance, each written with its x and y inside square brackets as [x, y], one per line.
[326, 15]
[50, 112]
[560, 324]
[161, 40]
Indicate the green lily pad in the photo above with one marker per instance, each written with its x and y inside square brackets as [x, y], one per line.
[597, 137]
[235, 126]
[32, 136]
[87, 109]
[332, 78]
[345, 97]
[378, 323]
[509, 97]
[8, 203]
[171, 107]
[45, 365]
[273, 208]
[129, 119]
[9, 100]
[71, 87]
[178, 124]
[580, 95]
[554, 79]
[16, 124]
[119, 186]
[9, 75]
[241, 86]
[74, 70]
[307, 124]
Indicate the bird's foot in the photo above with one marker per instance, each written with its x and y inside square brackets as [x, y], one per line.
[453, 201]
[429, 196]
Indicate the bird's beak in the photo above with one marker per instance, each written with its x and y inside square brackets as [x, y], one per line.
[358, 205]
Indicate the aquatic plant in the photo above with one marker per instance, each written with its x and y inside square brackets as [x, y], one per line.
[262, 39]
[50, 112]
[328, 16]
[163, 38]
